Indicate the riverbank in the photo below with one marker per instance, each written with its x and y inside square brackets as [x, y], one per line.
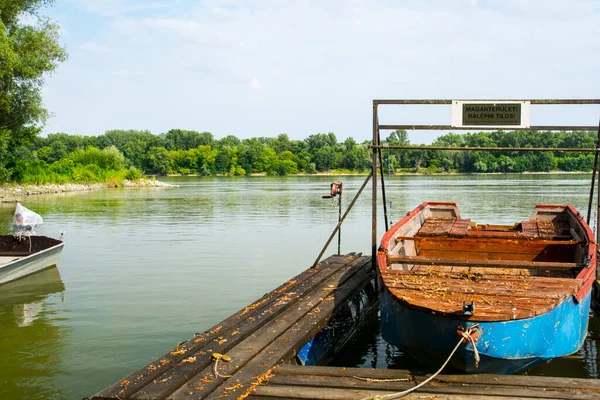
[10, 193]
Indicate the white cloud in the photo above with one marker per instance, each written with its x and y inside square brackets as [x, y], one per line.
[255, 84]
[121, 7]
[93, 47]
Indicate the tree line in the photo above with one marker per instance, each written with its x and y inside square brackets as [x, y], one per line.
[127, 154]
[30, 51]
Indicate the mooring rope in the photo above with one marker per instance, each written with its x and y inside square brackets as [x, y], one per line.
[465, 337]
[216, 357]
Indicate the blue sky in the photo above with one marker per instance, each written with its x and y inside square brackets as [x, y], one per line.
[265, 67]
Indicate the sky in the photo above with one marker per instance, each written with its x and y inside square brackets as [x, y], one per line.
[265, 67]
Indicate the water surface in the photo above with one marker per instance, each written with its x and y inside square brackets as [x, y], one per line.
[144, 269]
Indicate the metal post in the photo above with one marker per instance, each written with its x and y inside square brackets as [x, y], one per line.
[385, 212]
[340, 221]
[593, 175]
[374, 189]
[598, 216]
[343, 218]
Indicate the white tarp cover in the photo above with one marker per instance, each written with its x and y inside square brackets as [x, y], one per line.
[25, 221]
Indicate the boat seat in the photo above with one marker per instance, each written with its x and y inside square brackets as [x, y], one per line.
[546, 229]
[453, 227]
[460, 227]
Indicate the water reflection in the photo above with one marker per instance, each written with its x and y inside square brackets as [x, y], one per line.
[31, 340]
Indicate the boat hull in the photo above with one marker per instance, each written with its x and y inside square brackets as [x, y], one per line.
[30, 264]
[505, 347]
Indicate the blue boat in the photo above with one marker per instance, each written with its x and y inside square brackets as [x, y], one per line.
[522, 291]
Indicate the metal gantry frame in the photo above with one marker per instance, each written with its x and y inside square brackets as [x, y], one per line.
[377, 147]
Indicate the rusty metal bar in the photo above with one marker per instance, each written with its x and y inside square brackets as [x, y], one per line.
[533, 101]
[598, 221]
[343, 218]
[339, 220]
[383, 197]
[483, 128]
[589, 212]
[564, 149]
[374, 188]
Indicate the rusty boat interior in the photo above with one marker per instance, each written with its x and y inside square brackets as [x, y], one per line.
[436, 261]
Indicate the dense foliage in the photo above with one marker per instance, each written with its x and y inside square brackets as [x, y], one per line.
[29, 50]
[498, 161]
[121, 154]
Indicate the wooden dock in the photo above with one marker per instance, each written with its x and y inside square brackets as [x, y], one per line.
[262, 340]
[298, 382]
[267, 333]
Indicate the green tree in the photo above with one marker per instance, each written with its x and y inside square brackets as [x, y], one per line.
[135, 145]
[320, 140]
[397, 158]
[29, 51]
[280, 144]
[158, 161]
[179, 139]
[250, 155]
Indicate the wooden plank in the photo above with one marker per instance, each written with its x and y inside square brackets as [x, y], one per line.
[530, 229]
[467, 290]
[252, 314]
[512, 245]
[472, 284]
[486, 309]
[486, 278]
[418, 260]
[497, 299]
[495, 234]
[475, 255]
[292, 392]
[303, 392]
[282, 344]
[460, 227]
[485, 379]
[439, 387]
[491, 248]
[552, 228]
[436, 226]
[300, 380]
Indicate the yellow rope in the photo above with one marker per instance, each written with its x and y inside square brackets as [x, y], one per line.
[216, 357]
[465, 335]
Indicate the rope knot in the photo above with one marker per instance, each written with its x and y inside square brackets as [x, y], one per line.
[471, 334]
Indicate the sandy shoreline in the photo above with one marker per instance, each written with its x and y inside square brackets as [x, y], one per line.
[10, 193]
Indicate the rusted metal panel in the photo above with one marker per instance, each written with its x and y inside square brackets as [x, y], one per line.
[417, 127]
[449, 101]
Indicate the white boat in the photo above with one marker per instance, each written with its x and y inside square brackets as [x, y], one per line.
[24, 253]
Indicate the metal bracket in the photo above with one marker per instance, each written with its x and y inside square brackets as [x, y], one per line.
[468, 309]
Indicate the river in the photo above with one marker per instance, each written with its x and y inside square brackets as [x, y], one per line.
[144, 269]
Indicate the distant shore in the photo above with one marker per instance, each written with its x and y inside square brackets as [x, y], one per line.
[11, 192]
